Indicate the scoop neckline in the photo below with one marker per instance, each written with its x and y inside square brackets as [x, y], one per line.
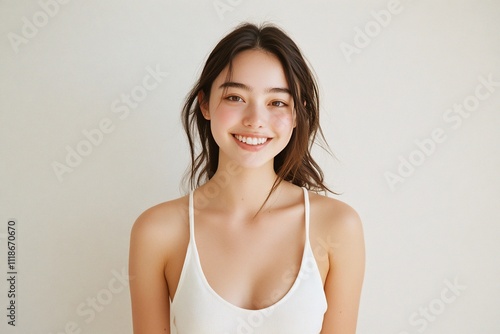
[283, 299]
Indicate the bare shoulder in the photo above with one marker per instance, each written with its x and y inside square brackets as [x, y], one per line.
[339, 240]
[155, 240]
[163, 225]
[333, 215]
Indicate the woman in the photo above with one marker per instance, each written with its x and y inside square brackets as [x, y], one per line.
[254, 248]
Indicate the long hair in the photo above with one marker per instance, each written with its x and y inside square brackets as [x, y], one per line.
[294, 163]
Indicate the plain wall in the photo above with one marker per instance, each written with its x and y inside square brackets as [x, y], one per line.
[391, 96]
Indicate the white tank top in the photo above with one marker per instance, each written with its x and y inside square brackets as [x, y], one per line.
[198, 309]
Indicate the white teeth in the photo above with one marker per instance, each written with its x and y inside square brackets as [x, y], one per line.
[251, 140]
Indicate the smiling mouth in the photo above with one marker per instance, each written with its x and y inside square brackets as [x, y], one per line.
[254, 141]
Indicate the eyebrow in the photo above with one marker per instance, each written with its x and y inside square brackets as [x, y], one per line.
[233, 84]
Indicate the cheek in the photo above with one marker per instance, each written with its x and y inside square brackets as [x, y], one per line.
[222, 119]
[282, 122]
[224, 116]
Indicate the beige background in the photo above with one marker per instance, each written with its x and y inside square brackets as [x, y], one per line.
[68, 75]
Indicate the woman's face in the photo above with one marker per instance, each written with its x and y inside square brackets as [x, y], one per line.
[251, 114]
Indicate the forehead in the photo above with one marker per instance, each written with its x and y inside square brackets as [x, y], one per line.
[255, 68]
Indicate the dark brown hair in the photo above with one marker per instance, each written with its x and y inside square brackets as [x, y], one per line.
[294, 163]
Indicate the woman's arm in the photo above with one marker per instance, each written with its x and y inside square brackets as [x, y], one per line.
[345, 276]
[148, 287]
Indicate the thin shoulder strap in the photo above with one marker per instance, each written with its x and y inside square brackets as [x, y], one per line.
[191, 215]
[306, 204]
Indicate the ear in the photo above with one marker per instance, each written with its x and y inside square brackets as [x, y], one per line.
[203, 105]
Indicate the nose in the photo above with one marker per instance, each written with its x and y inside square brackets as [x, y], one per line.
[254, 116]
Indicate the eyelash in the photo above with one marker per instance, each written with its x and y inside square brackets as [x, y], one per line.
[283, 104]
[235, 98]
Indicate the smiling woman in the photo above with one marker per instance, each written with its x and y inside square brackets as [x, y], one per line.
[256, 261]
[254, 108]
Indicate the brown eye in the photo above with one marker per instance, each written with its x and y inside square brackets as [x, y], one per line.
[234, 98]
[278, 104]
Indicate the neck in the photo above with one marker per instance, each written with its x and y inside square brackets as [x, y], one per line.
[244, 190]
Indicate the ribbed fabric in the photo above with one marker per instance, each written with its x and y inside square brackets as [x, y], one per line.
[198, 309]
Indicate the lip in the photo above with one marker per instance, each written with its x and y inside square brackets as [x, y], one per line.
[251, 148]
